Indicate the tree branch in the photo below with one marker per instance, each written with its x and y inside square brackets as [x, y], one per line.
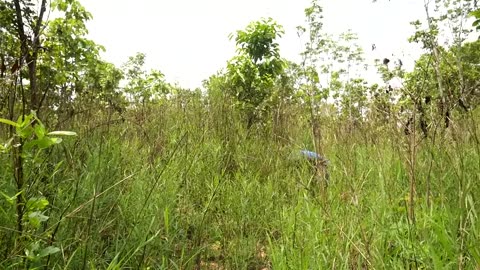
[20, 28]
[38, 27]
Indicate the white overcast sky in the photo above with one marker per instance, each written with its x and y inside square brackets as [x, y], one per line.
[188, 39]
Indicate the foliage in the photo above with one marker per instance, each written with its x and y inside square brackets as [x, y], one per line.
[476, 23]
[142, 87]
[252, 73]
[461, 81]
[328, 61]
[162, 177]
[28, 144]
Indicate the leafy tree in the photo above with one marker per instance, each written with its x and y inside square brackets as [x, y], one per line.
[447, 18]
[8, 50]
[141, 86]
[460, 96]
[99, 88]
[328, 63]
[476, 23]
[71, 64]
[60, 63]
[253, 71]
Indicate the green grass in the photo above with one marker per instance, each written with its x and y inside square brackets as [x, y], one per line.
[192, 189]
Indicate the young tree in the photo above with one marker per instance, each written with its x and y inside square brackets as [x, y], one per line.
[141, 86]
[29, 26]
[252, 72]
[327, 66]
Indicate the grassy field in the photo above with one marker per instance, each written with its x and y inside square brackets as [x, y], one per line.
[178, 187]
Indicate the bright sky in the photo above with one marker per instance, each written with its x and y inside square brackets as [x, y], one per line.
[188, 39]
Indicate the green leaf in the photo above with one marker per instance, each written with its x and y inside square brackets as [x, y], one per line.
[23, 127]
[9, 199]
[43, 143]
[475, 13]
[25, 132]
[8, 122]
[62, 133]
[35, 218]
[25, 120]
[30, 253]
[48, 251]
[56, 140]
[39, 131]
[34, 204]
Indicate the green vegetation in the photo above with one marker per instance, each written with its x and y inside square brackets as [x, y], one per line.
[147, 175]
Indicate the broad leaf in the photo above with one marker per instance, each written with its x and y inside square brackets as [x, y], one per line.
[8, 122]
[62, 133]
[48, 251]
[36, 218]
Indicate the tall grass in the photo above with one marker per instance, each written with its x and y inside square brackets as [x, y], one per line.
[184, 186]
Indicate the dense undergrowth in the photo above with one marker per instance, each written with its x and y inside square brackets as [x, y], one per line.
[188, 187]
[115, 168]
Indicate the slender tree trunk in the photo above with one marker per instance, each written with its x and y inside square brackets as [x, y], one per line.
[436, 54]
[17, 160]
[412, 161]
[320, 166]
[20, 181]
[30, 52]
